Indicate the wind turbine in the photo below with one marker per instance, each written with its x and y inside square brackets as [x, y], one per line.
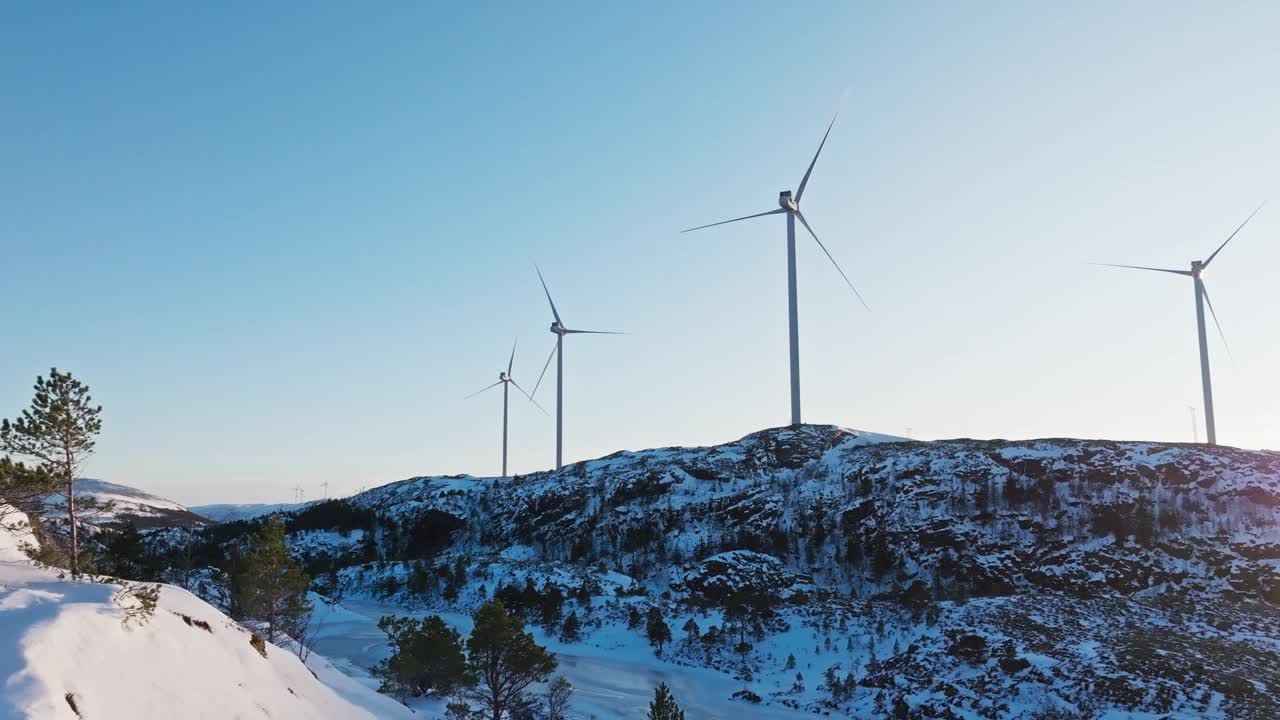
[791, 206]
[557, 351]
[505, 379]
[1196, 273]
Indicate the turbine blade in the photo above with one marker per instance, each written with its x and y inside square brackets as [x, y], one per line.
[1224, 243]
[804, 222]
[1188, 273]
[545, 365]
[490, 387]
[513, 357]
[592, 332]
[744, 217]
[548, 292]
[1221, 334]
[535, 402]
[805, 180]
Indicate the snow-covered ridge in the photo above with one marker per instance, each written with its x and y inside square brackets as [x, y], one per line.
[959, 578]
[66, 652]
[119, 504]
[231, 512]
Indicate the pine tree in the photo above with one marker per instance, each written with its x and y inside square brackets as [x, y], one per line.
[504, 660]
[271, 585]
[126, 555]
[664, 706]
[656, 629]
[58, 431]
[23, 489]
[426, 657]
[691, 630]
[571, 631]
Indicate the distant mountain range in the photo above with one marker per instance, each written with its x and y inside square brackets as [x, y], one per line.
[230, 512]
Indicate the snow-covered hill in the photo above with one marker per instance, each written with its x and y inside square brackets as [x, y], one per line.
[831, 570]
[66, 651]
[131, 505]
[230, 512]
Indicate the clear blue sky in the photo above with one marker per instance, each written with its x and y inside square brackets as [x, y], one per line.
[282, 241]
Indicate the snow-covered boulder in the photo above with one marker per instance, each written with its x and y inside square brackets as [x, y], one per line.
[737, 572]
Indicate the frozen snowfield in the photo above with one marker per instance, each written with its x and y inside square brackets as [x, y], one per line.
[609, 683]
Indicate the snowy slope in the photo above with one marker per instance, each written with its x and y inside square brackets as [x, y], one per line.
[128, 504]
[64, 643]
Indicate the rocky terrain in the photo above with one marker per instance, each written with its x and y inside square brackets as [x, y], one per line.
[844, 573]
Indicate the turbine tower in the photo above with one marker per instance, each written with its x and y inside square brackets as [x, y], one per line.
[791, 206]
[505, 379]
[557, 351]
[1196, 273]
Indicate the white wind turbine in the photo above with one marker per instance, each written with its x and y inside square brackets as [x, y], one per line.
[1196, 273]
[557, 351]
[791, 206]
[505, 379]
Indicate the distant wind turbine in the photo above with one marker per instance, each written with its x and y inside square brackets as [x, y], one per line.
[557, 351]
[791, 206]
[505, 379]
[1196, 273]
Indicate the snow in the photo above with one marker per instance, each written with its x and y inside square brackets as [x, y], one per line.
[224, 513]
[613, 679]
[136, 502]
[61, 639]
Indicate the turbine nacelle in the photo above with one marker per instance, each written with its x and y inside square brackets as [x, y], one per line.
[786, 202]
[557, 328]
[1197, 268]
[503, 377]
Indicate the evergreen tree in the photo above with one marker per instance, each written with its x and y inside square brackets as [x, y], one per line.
[572, 629]
[551, 601]
[664, 706]
[126, 556]
[426, 658]
[691, 630]
[23, 489]
[271, 586]
[656, 629]
[504, 660]
[57, 431]
[634, 618]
